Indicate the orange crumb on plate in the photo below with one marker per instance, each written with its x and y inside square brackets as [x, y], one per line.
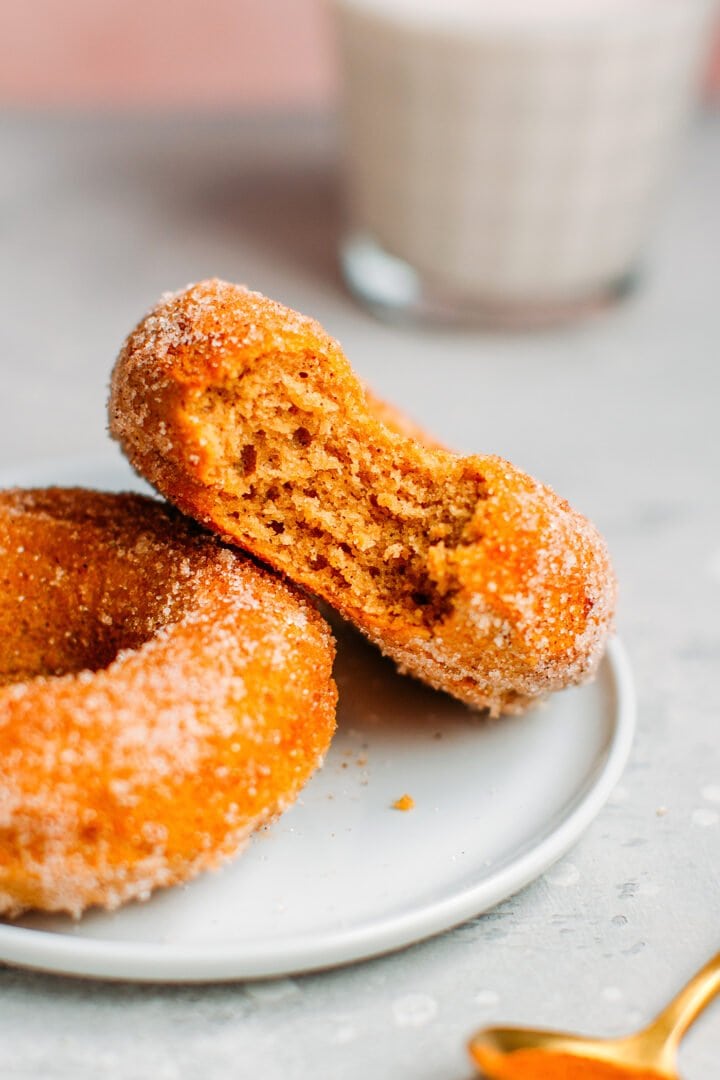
[405, 802]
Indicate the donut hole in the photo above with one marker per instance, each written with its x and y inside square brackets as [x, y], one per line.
[73, 594]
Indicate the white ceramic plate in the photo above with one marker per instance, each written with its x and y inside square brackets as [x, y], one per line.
[343, 875]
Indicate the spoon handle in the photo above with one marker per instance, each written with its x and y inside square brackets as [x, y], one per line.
[676, 1018]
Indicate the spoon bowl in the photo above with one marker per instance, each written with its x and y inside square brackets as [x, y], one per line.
[513, 1053]
[527, 1054]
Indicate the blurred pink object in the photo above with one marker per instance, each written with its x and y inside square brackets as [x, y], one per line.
[264, 53]
[713, 76]
[165, 52]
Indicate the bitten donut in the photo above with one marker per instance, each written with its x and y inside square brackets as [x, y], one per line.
[470, 574]
[160, 697]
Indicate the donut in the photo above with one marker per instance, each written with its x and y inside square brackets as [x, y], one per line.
[161, 697]
[470, 574]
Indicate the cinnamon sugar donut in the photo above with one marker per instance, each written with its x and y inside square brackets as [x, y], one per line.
[160, 697]
[470, 574]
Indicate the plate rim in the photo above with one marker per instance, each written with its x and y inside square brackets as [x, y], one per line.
[66, 954]
[155, 962]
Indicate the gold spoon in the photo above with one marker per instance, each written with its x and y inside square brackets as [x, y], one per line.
[650, 1054]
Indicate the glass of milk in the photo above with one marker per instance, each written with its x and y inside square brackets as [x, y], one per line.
[504, 158]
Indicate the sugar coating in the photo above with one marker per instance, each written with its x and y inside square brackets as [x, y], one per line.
[160, 697]
[471, 575]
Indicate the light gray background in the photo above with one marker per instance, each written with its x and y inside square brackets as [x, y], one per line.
[620, 414]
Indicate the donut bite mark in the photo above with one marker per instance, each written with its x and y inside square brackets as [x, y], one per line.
[161, 697]
[467, 572]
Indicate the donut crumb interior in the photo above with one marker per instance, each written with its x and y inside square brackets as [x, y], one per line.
[355, 502]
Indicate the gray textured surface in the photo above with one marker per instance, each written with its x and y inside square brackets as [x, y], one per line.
[97, 217]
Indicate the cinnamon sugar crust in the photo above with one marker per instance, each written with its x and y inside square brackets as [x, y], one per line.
[161, 697]
[471, 575]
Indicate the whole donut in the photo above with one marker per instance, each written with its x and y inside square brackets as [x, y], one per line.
[469, 573]
[161, 696]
